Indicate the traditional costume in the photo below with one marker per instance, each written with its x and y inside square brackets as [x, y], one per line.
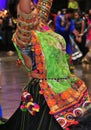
[53, 101]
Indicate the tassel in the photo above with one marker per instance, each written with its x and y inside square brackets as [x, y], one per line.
[28, 104]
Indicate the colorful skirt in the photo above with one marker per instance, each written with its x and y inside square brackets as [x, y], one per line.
[21, 120]
[63, 100]
[42, 120]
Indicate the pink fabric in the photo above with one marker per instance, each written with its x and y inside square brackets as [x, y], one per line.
[89, 31]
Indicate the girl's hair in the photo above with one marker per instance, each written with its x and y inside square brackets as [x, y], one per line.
[12, 6]
[78, 12]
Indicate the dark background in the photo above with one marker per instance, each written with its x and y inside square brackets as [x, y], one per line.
[59, 4]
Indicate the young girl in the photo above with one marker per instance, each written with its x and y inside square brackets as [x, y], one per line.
[80, 27]
[54, 98]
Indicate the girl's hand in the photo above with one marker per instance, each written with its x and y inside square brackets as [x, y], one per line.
[34, 75]
[81, 34]
[79, 39]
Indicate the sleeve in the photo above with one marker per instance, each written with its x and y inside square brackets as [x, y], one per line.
[77, 5]
[72, 27]
[44, 7]
[59, 28]
[69, 5]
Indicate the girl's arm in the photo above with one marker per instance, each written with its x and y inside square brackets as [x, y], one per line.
[44, 7]
[83, 26]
